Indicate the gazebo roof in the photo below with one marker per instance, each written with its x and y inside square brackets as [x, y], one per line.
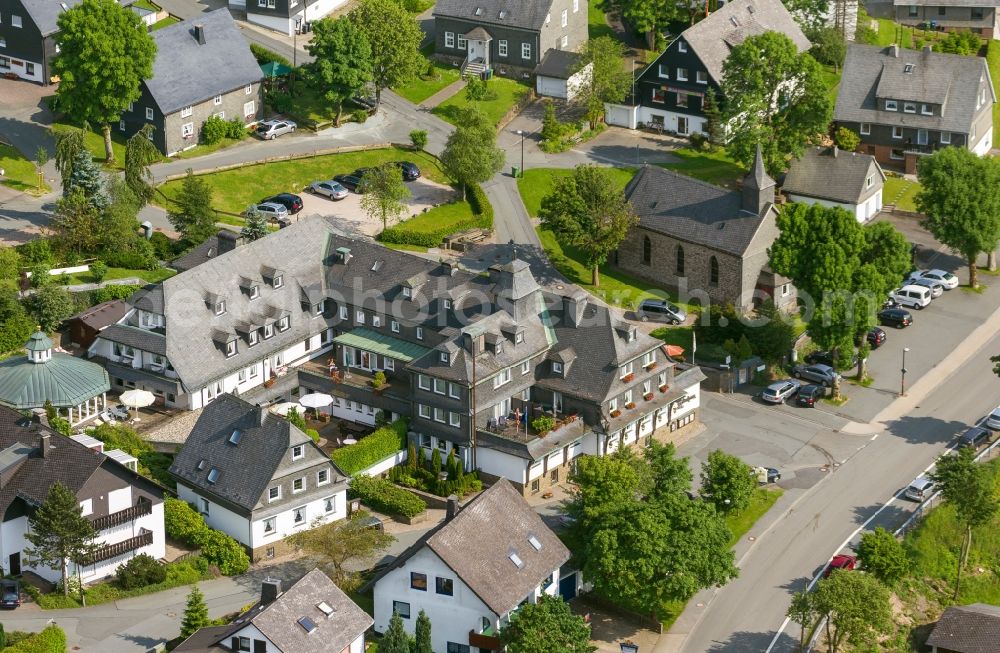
[63, 380]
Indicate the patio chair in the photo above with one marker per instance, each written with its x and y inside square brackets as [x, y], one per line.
[502, 422]
[491, 424]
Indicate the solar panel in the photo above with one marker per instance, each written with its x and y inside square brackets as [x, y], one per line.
[307, 624]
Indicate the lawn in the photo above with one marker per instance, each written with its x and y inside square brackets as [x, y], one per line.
[145, 4]
[203, 149]
[900, 191]
[993, 61]
[150, 276]
[406, 248]
[682, 336]
[421, 87]
[166, 22]
[761, 501]
[506, 94]
[536, 183]
[713, 166]
[597, 24]
[94, 141]
[831, 79]
[236, 189]
[19, 173]
[438, 218]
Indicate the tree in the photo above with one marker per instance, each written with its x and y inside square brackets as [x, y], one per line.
[395, 639]
[811, 14]
[774, 336]
[669, 475]
[195, 613]
[546, 627]
[41, 158]
[192, 214]
[883, 556]
[342, 542]
[98, 270]
[588, 210]
[802, 610]
[781, 106]
[960, 194]
[856, 607]
[423, 634]
[394, 38]
[829, 46]
[140, 153]
[607, 81]
[99, 78]
[968, 487]
[89, 179]
[649, 17]
[418, 139]
[69, 144]
[471, 155]
[727, 482]
[846, 139]
[74, 223]
[59, 532]
[384, 194]
[51, 305]
[255, 226]
[714, 124]
[343, 61]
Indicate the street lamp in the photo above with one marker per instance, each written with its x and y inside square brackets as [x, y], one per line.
[902, 374]
[520, 132]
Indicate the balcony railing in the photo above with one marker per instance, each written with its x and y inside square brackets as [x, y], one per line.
[142, 508]
[484, 641]
[144, 538]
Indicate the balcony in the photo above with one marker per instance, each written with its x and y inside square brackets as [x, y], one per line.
[510, 429]
[355, 377]
[144, 538]
[142, 508]
[484, 641]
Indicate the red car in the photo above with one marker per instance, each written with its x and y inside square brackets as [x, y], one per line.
[841, 561]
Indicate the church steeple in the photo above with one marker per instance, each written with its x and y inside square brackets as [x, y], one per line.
[758, 187]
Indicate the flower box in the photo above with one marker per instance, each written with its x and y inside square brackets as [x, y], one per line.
[663, 388]
[630, 405]
[651, 366]
[647, 396]
[616, 413]
[269, 382]
[628, 378]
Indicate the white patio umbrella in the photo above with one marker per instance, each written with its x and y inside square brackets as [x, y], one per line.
[316, 400]
[137, 399]
[283, 408]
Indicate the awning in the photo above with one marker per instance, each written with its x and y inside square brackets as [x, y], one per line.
[379, 343]
[274, 69]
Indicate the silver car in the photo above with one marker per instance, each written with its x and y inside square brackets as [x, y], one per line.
[779, 391]
[823, 374]
[659, 310]
[936, 287]
[271, 129]
[946, 279]
[329, 188]
[272, 210]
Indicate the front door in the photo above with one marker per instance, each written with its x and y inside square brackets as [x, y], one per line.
[682, 125]
[479, 50]
[14, 566]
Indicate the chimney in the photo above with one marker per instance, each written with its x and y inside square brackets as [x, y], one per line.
[41, 416]
[43, 444]
[199, 33]
[270, 590]
[228, 241]
[928, 48]
[573, 306]
[345, 255]
[469, 343]
[449, 267]
[894, 50]
[452, 508]
[758, 187]
[836, 151]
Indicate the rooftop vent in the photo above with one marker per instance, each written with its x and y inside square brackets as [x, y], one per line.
[307, 624]
[908, 68]
[503, 14]
[378, 266]
[201, 465]
[734, 21]
[479, 11]
[345, 254]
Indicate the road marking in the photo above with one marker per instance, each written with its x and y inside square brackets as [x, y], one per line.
[873, 437]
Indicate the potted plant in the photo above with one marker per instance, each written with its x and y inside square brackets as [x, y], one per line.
[543, 424]
[647, 396]
[630, 405]
[628, 378]
[663, 388]
[616, 413]
[651, 366]
[378, 381]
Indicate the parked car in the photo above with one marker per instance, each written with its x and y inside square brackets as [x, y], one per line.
[779, 391]
[10, 593]
[912, 296]
[896, 317]
[826, 358]
[934, 286]
[410, 170]
[840, 561]
[271, 129]
[921, 488]
[329, 188]
[822, 374]
[766, 475]
[272, 210]
[810, 394]
[660, 310]
[290, 201]
[993, 421]
[350, 182]
[974, 436]
[876, 337]
[946, 279]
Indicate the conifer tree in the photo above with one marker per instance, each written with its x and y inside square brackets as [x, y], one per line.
[195, 614]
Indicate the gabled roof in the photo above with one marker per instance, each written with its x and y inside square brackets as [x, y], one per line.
[692, 210]
[558, 64]
[103, 315]
[953, 80]
[968, 629]
[45, 13]
[187, 72]
[525, 14]
[835, 175]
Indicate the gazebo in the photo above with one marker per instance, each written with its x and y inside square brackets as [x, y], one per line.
[67, 382]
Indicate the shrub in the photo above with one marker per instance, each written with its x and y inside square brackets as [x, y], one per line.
[313, 434]
[263, 55]
[14, 332]
[964, 43]
[482, 218]
[121, 436]
[418, 137]
[162, 245]
[295, 419]
[378, 380]
[235, 129]
[115, 291]
[829, 46]
[140, 571]
[381, 495]
[61, 424]
[181, 521]
[50, 640]
[279, 101]
[846, 139]
[223, 551]
[130, 260]
[213, 130]
[543, 424]
[98, 270]
[359, 116]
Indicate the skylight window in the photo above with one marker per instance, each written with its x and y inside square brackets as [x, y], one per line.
[908, 68]
[534, 542]
[213, 475]
[325, 608]
[516, 559]
[201, 465]
[307, 624]
[377, 266]
[479, 11]
[236, 436]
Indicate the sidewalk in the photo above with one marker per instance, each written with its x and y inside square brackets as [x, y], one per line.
[442, 95]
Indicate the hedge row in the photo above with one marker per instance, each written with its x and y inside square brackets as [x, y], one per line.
[183, 523]
[381, 444]
[381, 495]
[482, 218]
[50, 640]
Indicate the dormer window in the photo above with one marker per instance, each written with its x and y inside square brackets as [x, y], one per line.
[220, 307]
[420, 333]
[283, 324]
[268, 330]
[447, 303]
[890, 105]
[557, 367]
[230, 348]
[631, 335]
[318, 308]
[235, 437]
[445, 357]
[253, 337]
[298, 451]
[213, 475]
[498, 348]
[908, 68]
[277, 281]
[518, 338]
[869, 181]
[926, 110]
[909, 107]
[254, 292]
[407, 292]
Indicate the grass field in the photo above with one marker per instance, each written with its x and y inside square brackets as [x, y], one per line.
[831, 79]
[507, 92]
[597, 24]
[94, 141]
[993, 61]
[900, 191]
[421, 88]
[713, 166]
[166, 22]
[150, 276]
[234, 190]
[19, 173]
[536, 183]
[437, 218]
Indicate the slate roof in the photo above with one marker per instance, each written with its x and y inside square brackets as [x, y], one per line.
[692, 210]
[45, 13]
[831, 174]
[103, 315]
[148, 298]
[143, 339]
[714, 37]
[516, 13]
[945, 3]
[204, 640]
[186, 72]
[197, 255]
[558, 64]
[968, 629]
[871, 72]
[64, 380]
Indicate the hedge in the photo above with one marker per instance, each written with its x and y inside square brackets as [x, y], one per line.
[482, 218]
[263, 55]
[372, 448]
[50, 640]
[381, 495]
[184, 523]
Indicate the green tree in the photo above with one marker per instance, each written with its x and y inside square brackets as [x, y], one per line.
[192, 213]
[856, 607]
[119, 222]
[89, 179]
[140, 153]
[98, 270]
[395, 639]
[471, 155]
[74, 222]
[255, 225]
[342, 542]
[781, 107]
[802, 610]
[811, 14]
[968, 487]
[649, 17]
[195, 613]
[546, 627]
[589, 211]
[669, 475]
[714, 122]
[343, 61]
[394, 38]
[10, 263]
[828, 46]
[423, 634]
[727, 482]
[99, 78]
[607, 81]
[883, 556]
[59, 532]
[846, 139]
[51, 305]
[384, 194]
[960, 195]
[69, 144]
[418, 139]
[774, 333]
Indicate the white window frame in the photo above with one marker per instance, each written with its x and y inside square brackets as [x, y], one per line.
[217, 100]
[557, 367]
[423, 382]
[15, 20]
[526, 51]
[663, 71]
[502, 48]
[271, 499]
[897, 132]
[343, 312]
[701, 77]
[186, 111]
[890, 105]
[440, 386]
[454, 419]
[376, 321]
[323, 477]
[149, 113]
[682, 46]
[453, 391]
[121, 123]
[564, 18]
[462, 42]
[564, 43]
[230, 348]
[923, 137]
[613, 405]
[420, 333]
[440, 415]
[423, 410]
[525, 367]
[249, 109]
[866, 129]
[909, 107]
[305, 516]
[248, 90]
[945, 137]
[359, 316]
[394, 326]
[298, 451]
[926, 110]
[502, 378]
[301, 481]
[449, 39]
[682, 74]
[576, 6]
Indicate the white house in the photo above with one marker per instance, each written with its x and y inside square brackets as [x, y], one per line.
[472, 571]
[285, 16]
[832, 177]
[256, 477]
[313, 616]
[556, 75]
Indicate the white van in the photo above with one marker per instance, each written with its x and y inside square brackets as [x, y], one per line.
[913, 296]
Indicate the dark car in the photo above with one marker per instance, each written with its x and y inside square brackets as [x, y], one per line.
[896, 317]
[410, 170]
[826, 358]
[291, 202]
[974, 437]
[10, 594]
[659, 310]
[810, 394]
[876, 338]
[350, 182]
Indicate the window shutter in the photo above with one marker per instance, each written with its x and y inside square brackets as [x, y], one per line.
[259, 646]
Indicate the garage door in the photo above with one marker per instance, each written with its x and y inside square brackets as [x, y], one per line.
[616, 115]
[551, 87]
